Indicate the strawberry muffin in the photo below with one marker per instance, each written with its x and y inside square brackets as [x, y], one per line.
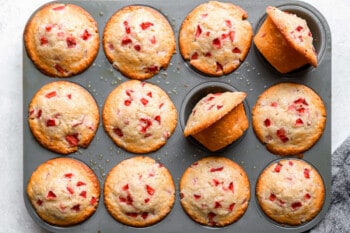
[286, 41]
[290, 191]
[138, 41]
[139, 192]
[61, 39]
[63, 116]
[289, 118]
[63, 191]
[139, 117]
[215, 37]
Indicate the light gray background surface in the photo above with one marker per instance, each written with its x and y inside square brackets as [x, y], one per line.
[13, 16]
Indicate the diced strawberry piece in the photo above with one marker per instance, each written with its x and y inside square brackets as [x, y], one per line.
[133, 215]
[51, 194]
[157, 118]
[217, 205]
[278, 167]
[144, 215]
[118, 132]
[198, 31]
[70, 190]
[80, 183]
[194, 56]
[274, 104]
[307, 173]
[307, 196]
[69, 96]
[208, 54]
[137, 47]
[110, 46]
[217, 43]
[309, 34]
[146, 25]
[68, 175]
[127, 102]
[72, 139]
[127, 27]
[228, 23]
[299, 28]
[281, 134]
[146, 200]
[93, 201]
[151, 69]
[49, 27]
[58, 8]
[231, 34]
[126, 40]
[207, 33]
[146, 123]
[272, 197]
[296, 205]
[150, 190]
[217, 169]
[219, 67]
[211, 217]
[76, 208]
[43, 40]
[210, 107]
[290, 163]
[144, 101]
[60, 69]
[153, 40]
[231, 207]
[125, 187]
[39, 202]
[301, 101]
[218, 107]
[71, 42]
[267, 122]
[231, 187]
[86, 35]
[181, 195]
[204, 15]
[216, 182]
[50, 123]
[82, 194]
[210, 98]
[299, 121]
[236, 50]
[50, 94]
[196, 196]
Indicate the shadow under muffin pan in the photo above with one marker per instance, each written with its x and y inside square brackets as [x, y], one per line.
[317, 27]
[184, 86]
[195, 95]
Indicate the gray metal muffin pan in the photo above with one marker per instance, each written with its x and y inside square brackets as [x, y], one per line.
[184, 84]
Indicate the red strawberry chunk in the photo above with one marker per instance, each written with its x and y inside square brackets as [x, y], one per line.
[68, 175]
[278, 167]
[93, 201]
[151, 69]
[50, 94]
[127, 102]
[217, 43]
[181, 195]
[146, 25]
[125, 187]
[144, 101]
[80, 183]
[150, 190]
[299, 28]
[71, 42]
[83, 194]
[216, 182]
[194, 56]
[231, 34]
[144, 215]
[39, 202]
[70, 190]
[228, 23]
[281, 134]
[127, 27]
[43, 40]
[232, 205]
[217, 205]
[301, 101]
[296, 205]
[72, 139]
[76, 208]
[133, 215]
[153, 40]
[157, 118]
[219, 67]
[307, 173]
[299, 121]
[126, 40]
[208, 54]
[60, 69]
[217, 169]
[86, 35]
[219, 107]
[290, 163]
[137, 48]
[145, 124]
[231, 187]
[267, 122]
[146, 200]
[211, 217]
[50, 123]
[236, 50]
[118, 132]
[51, 194]
[198, 31]
[58, 8]
[272, 197]
[307, 196]
[196, 196]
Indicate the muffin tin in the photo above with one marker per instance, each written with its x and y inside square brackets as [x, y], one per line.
[185, 86]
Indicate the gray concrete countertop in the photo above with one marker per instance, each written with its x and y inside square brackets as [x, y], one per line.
[13, 16]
